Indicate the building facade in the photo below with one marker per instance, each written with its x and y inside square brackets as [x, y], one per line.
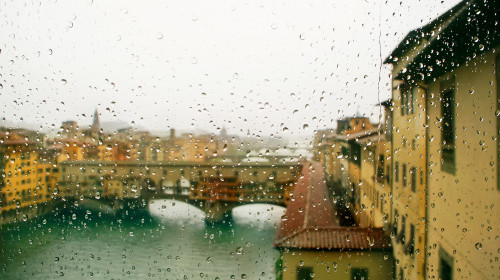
[446, 147]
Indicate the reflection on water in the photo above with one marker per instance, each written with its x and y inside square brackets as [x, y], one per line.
[175, 244]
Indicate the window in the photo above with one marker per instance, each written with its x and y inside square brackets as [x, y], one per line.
[401, 237]
[448, 124]
[304, 273]
[404, 175]
[387, 174]
[396, 171]
[359, 274]
[410, 243]
[413, 174]
[408, 100]
[404, 97]
[345, 151]
[445, 265]
[355, 155]
[380, 167]
[421, 176]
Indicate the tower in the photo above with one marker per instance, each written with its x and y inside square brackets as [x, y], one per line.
[96, 126]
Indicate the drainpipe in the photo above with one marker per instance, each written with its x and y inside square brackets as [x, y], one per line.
[426, 125]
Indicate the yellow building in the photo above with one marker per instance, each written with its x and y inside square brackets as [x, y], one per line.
[373, 192]
[71, 150]
[446, 147]
[191, 148]
[105, 152]
[340, 154]
[24, 181]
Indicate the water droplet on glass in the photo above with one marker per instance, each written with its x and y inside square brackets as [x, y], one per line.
[239, 250]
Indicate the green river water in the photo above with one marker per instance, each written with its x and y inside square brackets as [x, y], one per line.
[173, 242]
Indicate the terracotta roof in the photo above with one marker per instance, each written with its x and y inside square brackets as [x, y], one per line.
[359, 134]
[18, 141]
[309, 221]
[468, 30]
[371, 139]
[414, 36]
[336, 238]
[310, 206]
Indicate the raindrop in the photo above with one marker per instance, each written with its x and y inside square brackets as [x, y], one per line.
[371, 241]
[479, 246]
[239, 250]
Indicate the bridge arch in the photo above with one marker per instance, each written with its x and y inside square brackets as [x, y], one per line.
[258, 213]
[132, 187]
[148, 185]
[172, 209]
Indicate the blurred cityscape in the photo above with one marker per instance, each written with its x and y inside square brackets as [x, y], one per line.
[411, 197]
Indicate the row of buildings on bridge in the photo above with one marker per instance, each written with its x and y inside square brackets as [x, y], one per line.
[208, 182]
[429, 175]
[36, 171]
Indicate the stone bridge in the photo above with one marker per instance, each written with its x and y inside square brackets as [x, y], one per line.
[215, 188]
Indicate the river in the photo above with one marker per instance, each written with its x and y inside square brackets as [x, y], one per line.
[173, 242]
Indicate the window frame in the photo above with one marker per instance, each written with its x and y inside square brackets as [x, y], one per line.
[448, 133]
[361, 272]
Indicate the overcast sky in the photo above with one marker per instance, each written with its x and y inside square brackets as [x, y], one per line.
[271, 67]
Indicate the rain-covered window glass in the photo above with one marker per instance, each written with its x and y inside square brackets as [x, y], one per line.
[249, 139]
